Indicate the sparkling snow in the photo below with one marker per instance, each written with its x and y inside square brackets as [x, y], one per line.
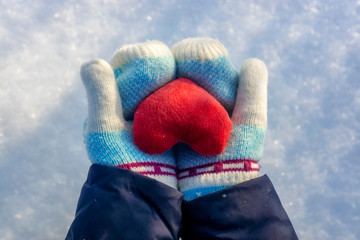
[311, 48]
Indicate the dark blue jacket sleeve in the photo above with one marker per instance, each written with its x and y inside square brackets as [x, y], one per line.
[249, 210]
[119, 204]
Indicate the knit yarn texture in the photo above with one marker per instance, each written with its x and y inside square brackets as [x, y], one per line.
[244, 96]
[139, 69]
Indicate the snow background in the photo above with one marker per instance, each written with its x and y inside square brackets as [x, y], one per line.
[311, 48]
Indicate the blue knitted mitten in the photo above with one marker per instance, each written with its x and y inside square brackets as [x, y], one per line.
[206, 62]
[139, 70]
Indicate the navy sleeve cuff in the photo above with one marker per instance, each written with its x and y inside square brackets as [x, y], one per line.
[249, 210]
[119, 204]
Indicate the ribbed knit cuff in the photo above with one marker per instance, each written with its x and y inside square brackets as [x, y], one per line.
[118, 149]
[133, 52]
[162, 172]
[198, 49]
[207, 178]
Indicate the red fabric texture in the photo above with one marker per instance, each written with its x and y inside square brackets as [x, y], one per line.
[181, 111]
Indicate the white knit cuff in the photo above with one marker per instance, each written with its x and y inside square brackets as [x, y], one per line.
[131, 52]
[198, 49]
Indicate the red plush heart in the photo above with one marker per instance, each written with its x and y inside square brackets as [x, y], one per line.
[181, 111]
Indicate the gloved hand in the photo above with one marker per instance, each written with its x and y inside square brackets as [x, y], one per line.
[139, 70]
[244, 96]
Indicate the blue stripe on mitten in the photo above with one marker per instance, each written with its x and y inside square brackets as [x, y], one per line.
[118, 148]
[245, 142]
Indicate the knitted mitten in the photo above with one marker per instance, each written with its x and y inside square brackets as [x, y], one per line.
[140, 69]
[199, 175]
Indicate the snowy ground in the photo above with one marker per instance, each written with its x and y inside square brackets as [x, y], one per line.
[311, 48]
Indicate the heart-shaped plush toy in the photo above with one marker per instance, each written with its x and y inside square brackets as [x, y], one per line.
[181, 111]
